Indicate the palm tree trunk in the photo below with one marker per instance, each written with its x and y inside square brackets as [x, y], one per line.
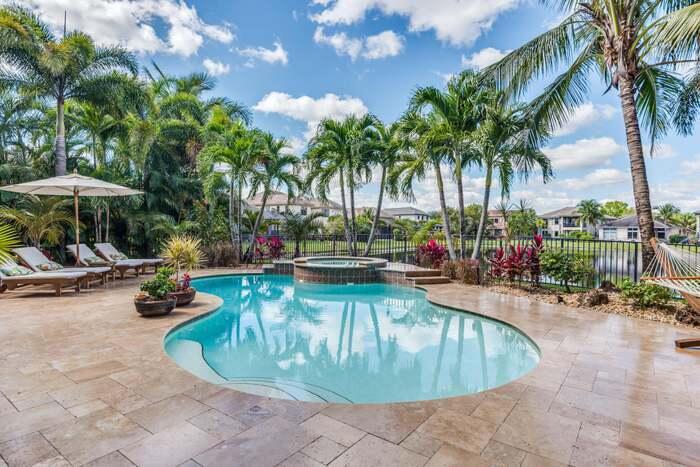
[460, 201]
[445, 215]
[94, 153]
[346, 222]
[231, 221]
[60, 148]
[377, 214]
[107, 224]
[258, 221]
[353, 223]
[239, 219]
[640, 184]
[484, 212]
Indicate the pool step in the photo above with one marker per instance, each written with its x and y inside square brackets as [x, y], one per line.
[430, 280]
[422, 273]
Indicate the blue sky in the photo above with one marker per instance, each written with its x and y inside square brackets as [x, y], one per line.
[295, 62]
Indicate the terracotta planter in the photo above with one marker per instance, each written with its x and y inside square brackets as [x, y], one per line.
[183, 297]
[149, 308]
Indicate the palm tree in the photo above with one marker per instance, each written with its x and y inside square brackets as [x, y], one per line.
[340, 150]
[425, 151]
[506, 144]
[458, 111]
[274, 171]
[299, 227]
[99, 125]
[666, 212]
[621, 42]
[388, 153]
[71, 67]
[39, 219]
[8, 241]
[591, 213]
[227, 154]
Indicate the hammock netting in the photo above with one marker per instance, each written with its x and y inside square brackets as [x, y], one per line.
[675, 269]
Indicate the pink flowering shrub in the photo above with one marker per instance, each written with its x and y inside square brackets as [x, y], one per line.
[275, 247]
[431, 254]
[521, 261]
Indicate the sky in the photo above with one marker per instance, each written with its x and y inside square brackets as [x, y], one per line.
[294, 62]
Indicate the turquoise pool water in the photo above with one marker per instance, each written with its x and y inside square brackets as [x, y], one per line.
[370, 343]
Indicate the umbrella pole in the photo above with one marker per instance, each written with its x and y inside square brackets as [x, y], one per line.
[77, 227]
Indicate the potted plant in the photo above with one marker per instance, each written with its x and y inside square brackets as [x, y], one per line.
[184, 253]
[154, 299]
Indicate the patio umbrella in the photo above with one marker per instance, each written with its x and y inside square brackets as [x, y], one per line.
[75, 185]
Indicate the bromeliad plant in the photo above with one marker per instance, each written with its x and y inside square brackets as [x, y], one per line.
[182, 252]
[431, 254]
[275, 247]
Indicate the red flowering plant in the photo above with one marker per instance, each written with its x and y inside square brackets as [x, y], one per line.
[275, 247]
[185, 282]
[520, 262]
[431, 254]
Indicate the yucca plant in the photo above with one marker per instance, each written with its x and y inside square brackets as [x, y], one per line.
[8, 241]
[183, 252]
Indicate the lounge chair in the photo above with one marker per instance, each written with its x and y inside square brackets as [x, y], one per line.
[89, 258]
[38, 262]
[108, 252]
[22, 276]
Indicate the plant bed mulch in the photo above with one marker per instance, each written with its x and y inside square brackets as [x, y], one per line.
[677, 312]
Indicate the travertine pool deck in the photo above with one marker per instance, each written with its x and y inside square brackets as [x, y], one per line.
[85, 380]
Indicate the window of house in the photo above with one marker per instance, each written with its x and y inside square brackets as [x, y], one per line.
[495, 221]
[632, 233]
[609, 233]
[303, 211]
[661, 234]
[556, 221]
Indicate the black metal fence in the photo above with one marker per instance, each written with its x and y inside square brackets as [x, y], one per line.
[611, 260]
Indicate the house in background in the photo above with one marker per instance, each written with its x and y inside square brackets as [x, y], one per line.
[627, 229]
[563, 221]
[497, 224]
[697, 224]
[407, 212]
[280, 203]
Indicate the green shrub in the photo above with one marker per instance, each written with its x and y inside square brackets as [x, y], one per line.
[677, 238]
[565, 267]
[644, 294]
[161, 285]
[580, 235]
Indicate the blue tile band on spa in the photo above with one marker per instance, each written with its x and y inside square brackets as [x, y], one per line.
[362, 343]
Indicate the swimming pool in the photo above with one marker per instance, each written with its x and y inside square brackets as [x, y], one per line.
[365, 343]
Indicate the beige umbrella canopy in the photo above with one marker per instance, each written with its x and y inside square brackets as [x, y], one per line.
[75, 185]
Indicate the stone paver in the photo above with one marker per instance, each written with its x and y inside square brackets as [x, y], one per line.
[85, 380]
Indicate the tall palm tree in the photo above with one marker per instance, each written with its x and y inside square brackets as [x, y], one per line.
[591, 212]
[99, 125]
[506, 144]
[388, 152]
[425, 151]
[39, 219]
[339, 150]
[666, 212]
[274, 171]
[458, 111]
[71, 67]
[299, 227]
[227, 154]
[619, 41]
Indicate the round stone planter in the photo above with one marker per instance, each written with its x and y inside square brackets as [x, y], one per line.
[150, 308]
[183, 297]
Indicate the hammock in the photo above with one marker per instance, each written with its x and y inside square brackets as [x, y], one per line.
[678, 270]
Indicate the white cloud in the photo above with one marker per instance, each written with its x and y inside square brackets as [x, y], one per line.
[583, 153]
[585, 115]
[132, 23]
[598, 177]
[692, 165]
[382, 45]
[276, 55]
[458, 22]
[483, 58]
[310, 110]
[215, 68]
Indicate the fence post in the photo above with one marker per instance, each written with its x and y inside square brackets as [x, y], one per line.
[334, 245]
[636, 261]
[405, 248]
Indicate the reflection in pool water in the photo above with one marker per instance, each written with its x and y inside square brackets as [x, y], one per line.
[345, 343]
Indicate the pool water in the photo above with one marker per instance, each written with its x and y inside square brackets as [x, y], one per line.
[369, 343]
